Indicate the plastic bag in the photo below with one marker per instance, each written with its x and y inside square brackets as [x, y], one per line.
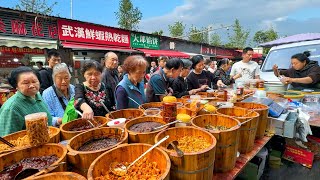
[70, 113]
[302, 126]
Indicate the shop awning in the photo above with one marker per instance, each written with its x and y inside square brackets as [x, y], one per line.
[32, 43]
[78, 46]
[224, 56]
[194, 54]
[157, 53]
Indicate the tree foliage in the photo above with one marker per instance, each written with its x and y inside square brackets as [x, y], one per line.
[160, 32]
[195, 34]
[215, 40]
[177, 29]
[239, 37]
[128, 16]
[265, 36]
[36, 6]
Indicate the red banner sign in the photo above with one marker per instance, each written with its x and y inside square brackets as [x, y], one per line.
[16, 50]
[87, 33]
[220, 51]
[298, 155]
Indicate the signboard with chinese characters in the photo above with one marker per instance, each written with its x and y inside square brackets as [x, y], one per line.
[219, 51]
[88, 33]
[16, 50]
[22, 25]
[144, 41]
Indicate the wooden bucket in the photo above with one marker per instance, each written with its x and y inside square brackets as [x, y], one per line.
[81, 160]
[187, 105]
[60, 176]
[148, 137]
[43, 150]
[184, 110]
[66, 134]
[125, 113]
[263, 111]
[24, 141]
[203, 94]
[247, 130]
[191, 166]
[128, 153]
[227, 140]
[151, 105]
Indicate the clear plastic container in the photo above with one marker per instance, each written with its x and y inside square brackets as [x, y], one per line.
[195, 102]
[37, 128]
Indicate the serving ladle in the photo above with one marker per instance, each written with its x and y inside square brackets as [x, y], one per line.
[6, 142]
[87, 119]
[165, 125]
[120, 169]
[105, 107]
[174, 145]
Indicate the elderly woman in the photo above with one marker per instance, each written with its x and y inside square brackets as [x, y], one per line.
[130, 90]
[158, 86]
[221, 73]
[199, 78]
[179, 84]
[58, 95]
[303, 74]
[90, 94]
[27, 100]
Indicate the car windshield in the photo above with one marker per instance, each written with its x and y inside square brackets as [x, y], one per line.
[282, 57]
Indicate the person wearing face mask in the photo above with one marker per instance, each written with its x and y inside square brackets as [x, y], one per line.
[200, 79]
[58, 95]
[110, 73]
[46, 73]
[90, 94]
[27, 100]
[158, 86]
[304, 73]
[223, 66]
[130, 90]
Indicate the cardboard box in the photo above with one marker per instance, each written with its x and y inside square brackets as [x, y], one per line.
[285, 124]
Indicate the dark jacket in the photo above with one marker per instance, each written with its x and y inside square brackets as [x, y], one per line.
[110, 77]
[311, 70]
[180, 87]
[45, 78]
[193, 83]
[225, 78]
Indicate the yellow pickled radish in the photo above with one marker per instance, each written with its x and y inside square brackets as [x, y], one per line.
[184, 117]
[169, 99]
[210, 108]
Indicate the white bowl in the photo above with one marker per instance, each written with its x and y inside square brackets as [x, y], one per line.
[119, 122]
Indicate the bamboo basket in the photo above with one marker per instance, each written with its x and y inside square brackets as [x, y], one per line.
[148, 137]
[247, 130]
[263, 111]
[53, 132]
[60, 176]
[227, 140]
[66, 134]
[81, 160]
[42, 150]
[125, 113]
[128, 153]
[191, 166]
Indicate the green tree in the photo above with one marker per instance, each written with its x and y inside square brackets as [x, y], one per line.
[36, 6]
[128, 16]
[160, 32]
[239, 37]
[265, 36]
[215, 40]
[195, 35]
[177, 29]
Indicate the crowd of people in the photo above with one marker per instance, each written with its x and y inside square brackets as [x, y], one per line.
[110, 86]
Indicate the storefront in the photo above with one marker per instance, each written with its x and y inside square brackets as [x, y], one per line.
[220, 52]
[90, 42]
[24, 39]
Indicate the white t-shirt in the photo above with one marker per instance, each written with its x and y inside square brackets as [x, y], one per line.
[248, 70]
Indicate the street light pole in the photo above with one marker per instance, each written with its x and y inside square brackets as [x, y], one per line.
[71, 9]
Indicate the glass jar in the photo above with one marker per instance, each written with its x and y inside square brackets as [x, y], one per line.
[37, 128]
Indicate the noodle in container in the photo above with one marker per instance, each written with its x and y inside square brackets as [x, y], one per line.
[37, 128]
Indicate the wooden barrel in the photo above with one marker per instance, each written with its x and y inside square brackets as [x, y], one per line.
[263, 111]
[191, 166]
[128, 153]
[227, 140]
[60, 176]
[148, 137]
[247, 130]
[129, 114]
[203, 94]
[184, 110]
[21, 140]
[42, 150]
[81, 160]
[187, 105]
[66, 134]
[151, 105]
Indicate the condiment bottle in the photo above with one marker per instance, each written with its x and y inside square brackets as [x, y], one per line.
[169, 109]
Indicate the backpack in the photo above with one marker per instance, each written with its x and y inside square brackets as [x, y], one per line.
[70, 113]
